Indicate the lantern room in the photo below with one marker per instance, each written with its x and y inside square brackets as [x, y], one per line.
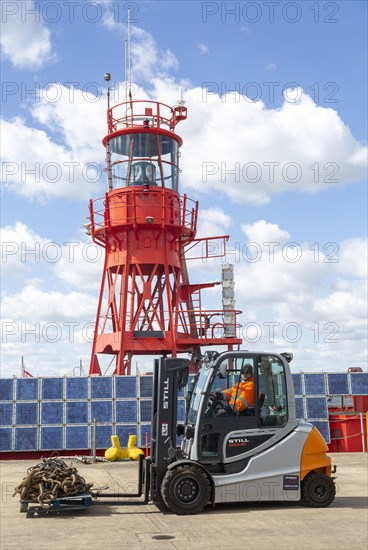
[141, 147]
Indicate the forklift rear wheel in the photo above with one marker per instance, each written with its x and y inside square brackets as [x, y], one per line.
[185, 490]
[318, 490]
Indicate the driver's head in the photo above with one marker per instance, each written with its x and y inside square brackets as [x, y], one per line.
[246, 371]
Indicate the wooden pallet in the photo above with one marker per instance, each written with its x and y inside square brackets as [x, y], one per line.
[77, 502]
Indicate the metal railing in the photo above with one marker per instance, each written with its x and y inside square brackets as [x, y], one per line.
[124, 209]
[132, 113]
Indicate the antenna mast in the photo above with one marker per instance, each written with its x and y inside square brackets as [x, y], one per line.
[126, 69]
[129, 54]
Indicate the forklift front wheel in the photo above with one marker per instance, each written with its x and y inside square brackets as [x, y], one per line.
[186, 489]
[318, 490]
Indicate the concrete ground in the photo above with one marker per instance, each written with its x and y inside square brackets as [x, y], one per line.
[233, 526]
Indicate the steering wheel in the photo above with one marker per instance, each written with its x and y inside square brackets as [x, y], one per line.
[214, 406]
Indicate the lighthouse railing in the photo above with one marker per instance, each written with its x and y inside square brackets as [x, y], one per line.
[129, 208]
[129, 114]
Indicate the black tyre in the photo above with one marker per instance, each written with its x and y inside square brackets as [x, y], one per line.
[318, 490]
[186, 490]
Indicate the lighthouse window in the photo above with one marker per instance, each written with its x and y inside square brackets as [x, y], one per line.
[137, 145]
[144, 158]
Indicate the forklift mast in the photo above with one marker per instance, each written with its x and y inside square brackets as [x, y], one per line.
[170, 375]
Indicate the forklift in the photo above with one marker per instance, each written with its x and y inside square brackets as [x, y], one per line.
[260, 453]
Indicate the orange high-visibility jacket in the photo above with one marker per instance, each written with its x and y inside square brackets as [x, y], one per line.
[244, 394]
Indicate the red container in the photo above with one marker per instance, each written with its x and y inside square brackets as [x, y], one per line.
[346, 433]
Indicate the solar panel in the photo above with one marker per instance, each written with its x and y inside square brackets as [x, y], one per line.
[52, 438]
[181, 410]
[101, 388]
[316, 408]
[124, 431]
[297, 380]
[126, 411]
[27, 389]
[52, 388]
[26, 439]
[126, 386]
[314, 384]
[77, 388]
[145, 384]
[338, 384]
[359, 383]
[6, 389]
[77, 412]
[77, 437]
[299, 405]
[26, 413]
[145, 410]
[324, 428]
[6, 439]
[6, 414]
[103, 436]
[52, 412]
[101, 410]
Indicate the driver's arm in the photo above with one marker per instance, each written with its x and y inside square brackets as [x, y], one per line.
[218, 395]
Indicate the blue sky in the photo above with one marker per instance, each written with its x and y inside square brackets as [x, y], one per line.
[278, 85]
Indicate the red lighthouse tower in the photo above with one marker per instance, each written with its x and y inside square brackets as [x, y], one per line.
[146, 304]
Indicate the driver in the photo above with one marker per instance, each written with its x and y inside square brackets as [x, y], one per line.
[241, 395]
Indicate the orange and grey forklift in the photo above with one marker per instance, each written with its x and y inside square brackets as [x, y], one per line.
[261, 452]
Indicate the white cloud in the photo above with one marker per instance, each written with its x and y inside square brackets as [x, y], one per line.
[79, 116]
[277, 275]
[32, 304]
[288, 305]
[203, 49]
[34, 166]
[303, 300]
[37, 163]
[212, 222]
[246, 31]
[353, 257]
[20, 246]
[299, 147]
[262, 232]
[80, 265]
[292, 299]
[270, 67]
[25, 41]
[148, 61]
[347, 302]
[51, 330]
[110, 23]
[76, 263]
[232, 146]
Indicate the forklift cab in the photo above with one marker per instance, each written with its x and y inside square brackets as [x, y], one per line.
[219, 434]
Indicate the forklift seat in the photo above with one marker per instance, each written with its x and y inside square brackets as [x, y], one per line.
[250, 411]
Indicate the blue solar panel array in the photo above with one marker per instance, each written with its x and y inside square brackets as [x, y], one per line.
[312, 391]
[57, 413]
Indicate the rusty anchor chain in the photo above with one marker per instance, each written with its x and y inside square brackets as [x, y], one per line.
[49, 480]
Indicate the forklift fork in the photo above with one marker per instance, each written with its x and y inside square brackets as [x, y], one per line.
[144, 476]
